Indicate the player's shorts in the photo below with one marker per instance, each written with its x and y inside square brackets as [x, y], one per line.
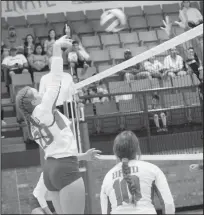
[60, 172]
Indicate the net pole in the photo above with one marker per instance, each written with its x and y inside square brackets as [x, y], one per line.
[182, 38]
[74, 108]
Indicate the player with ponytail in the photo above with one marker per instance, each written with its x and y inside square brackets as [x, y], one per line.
[129, 184]
[52, 131]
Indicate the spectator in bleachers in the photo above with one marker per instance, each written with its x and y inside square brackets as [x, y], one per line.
[38, 60]
[29, 45]
[194, 64]
[14, 64]
[174, 64]
[134, 71]
[12, 41]
[93, 92]
[190, 17]
[48, 45]
[154, 66]
[156, 105]
[102, 89]
[78, 61]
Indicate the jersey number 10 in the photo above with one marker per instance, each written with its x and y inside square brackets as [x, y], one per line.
[121, 190]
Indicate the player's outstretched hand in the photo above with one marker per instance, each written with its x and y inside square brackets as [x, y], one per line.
[92, 154]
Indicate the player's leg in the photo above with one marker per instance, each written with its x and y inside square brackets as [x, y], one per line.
[37, 211]
[54, 195]
[72, 198]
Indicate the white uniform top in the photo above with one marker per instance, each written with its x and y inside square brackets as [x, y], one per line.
[53, 134]
[146, 177]
[66, 80]
[40, 192]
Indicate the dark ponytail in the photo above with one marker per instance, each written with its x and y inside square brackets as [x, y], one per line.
[131, 185]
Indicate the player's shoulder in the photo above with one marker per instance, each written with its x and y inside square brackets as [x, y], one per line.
[147, 165]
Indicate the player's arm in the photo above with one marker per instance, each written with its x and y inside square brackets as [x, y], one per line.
[104, 198]
[50, 97]
[164, 193]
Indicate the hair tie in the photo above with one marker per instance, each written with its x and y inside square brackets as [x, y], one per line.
[125, 160]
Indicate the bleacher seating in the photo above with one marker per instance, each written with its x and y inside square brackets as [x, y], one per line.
[56, 17]
[75, 16]
[110, 40]
[155, 21]
[36, 19]
[171, 8]
[129, 38]
[94, 14]
[152, 9]
[133, 11]
[141, 33]
[17, 21]
[91, 41]
[100, 56]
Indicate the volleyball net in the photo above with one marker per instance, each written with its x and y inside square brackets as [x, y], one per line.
[159, 86]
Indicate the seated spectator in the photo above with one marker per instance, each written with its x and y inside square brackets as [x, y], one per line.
[93, 92]
[174, 64]
[77, 59]
[194, 63]
[38, 60]
[190, 17]
[29, 45]
[12, 41]
[102, 89]
[155, 67]
[14, 64]
[48, 45]
[156, 105]
[134, 71]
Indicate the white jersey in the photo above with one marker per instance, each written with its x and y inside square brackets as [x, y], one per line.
[53, 132]
[146, 177]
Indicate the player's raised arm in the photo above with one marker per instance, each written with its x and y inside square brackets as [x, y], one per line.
[164, 193]
[50, 97]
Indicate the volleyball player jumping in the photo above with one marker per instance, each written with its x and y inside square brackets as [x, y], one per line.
[128, 186]
[52, 131]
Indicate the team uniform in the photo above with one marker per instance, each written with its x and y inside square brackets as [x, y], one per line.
[54, 135]
[148, 179]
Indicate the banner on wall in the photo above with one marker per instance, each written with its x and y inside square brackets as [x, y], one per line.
[23, 8]
[20, 8]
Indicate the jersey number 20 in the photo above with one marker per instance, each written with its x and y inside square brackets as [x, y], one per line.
[121, 190]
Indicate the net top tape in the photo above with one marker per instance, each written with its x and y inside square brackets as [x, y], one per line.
[178, 157]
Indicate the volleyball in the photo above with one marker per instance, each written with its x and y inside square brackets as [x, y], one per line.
[113, 20]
